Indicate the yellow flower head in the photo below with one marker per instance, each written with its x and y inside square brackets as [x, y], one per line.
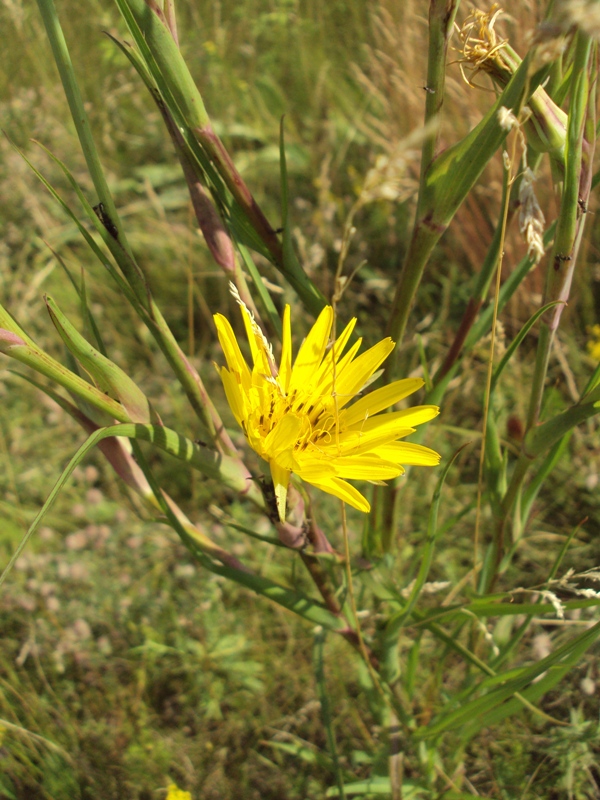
[297, 416]
[593, 345]
[175, 793]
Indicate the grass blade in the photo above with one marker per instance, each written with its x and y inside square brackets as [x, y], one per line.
[396, 622]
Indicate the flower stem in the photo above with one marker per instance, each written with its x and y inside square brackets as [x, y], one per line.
[560, 270]
[570, 223]
[80, 118]
[164, 61]
[117, 242]
[498, 251]
[425, 235]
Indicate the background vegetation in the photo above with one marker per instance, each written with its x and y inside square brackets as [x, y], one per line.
[123, 666]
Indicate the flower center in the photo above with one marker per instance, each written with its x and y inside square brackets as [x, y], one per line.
[318, 421]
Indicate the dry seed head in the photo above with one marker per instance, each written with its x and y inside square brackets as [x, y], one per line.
[506, 119]
[555, 601]
[570, 582]
[590, 594]
[481, 46]
[483, 346]
[430, 588]
[233, 290]
[585, 14]
[500, 338]
[388, 180]
[487, 635]
[531, 217]
[549, 41]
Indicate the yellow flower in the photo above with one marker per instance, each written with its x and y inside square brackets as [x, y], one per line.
[297, 417]
[175, 793]
[593, 345]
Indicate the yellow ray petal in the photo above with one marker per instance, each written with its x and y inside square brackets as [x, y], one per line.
[326, 371]
[353, 377]
[345, 492]
[355, 444]
[283, 437]
[231, 349]
[281, 479]
[407, 418]
[312, 350]
[296, 420]
[379, 399]
[285, 366]
[315, 471]
[234, 395]
[409, 453]
[325, 385]
[364, 437]
[368, 467]
[347, 358]
[312, 469]
[342, 339]
[258, 346]
[250, 333]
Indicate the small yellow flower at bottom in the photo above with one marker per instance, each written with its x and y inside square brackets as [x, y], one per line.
[593, 346]
[175, 793]
[297, 416]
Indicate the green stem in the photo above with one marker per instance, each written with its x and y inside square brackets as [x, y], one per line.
[444, 185]
[491, 566]
[423, 240]
[322, 582]
[542, 358]
[481, 288]
[26, 351]
[441, 22]
[570, 223]
[79, 115]
[319, 668]
[425, 235]
[164, 60]
[186, 374]
[561, 266]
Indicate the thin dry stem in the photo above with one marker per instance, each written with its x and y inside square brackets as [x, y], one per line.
[490, 369]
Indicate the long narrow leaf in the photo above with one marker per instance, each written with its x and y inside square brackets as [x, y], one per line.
[84, 232]
[105, 226]
[263, 292]
[319, 669]
[397, 621]
[561, 660]
[78, 112]
[222, 468]
[517, 341]
[300, 604]
[81, 290]
[541, 687]
[109, 377]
